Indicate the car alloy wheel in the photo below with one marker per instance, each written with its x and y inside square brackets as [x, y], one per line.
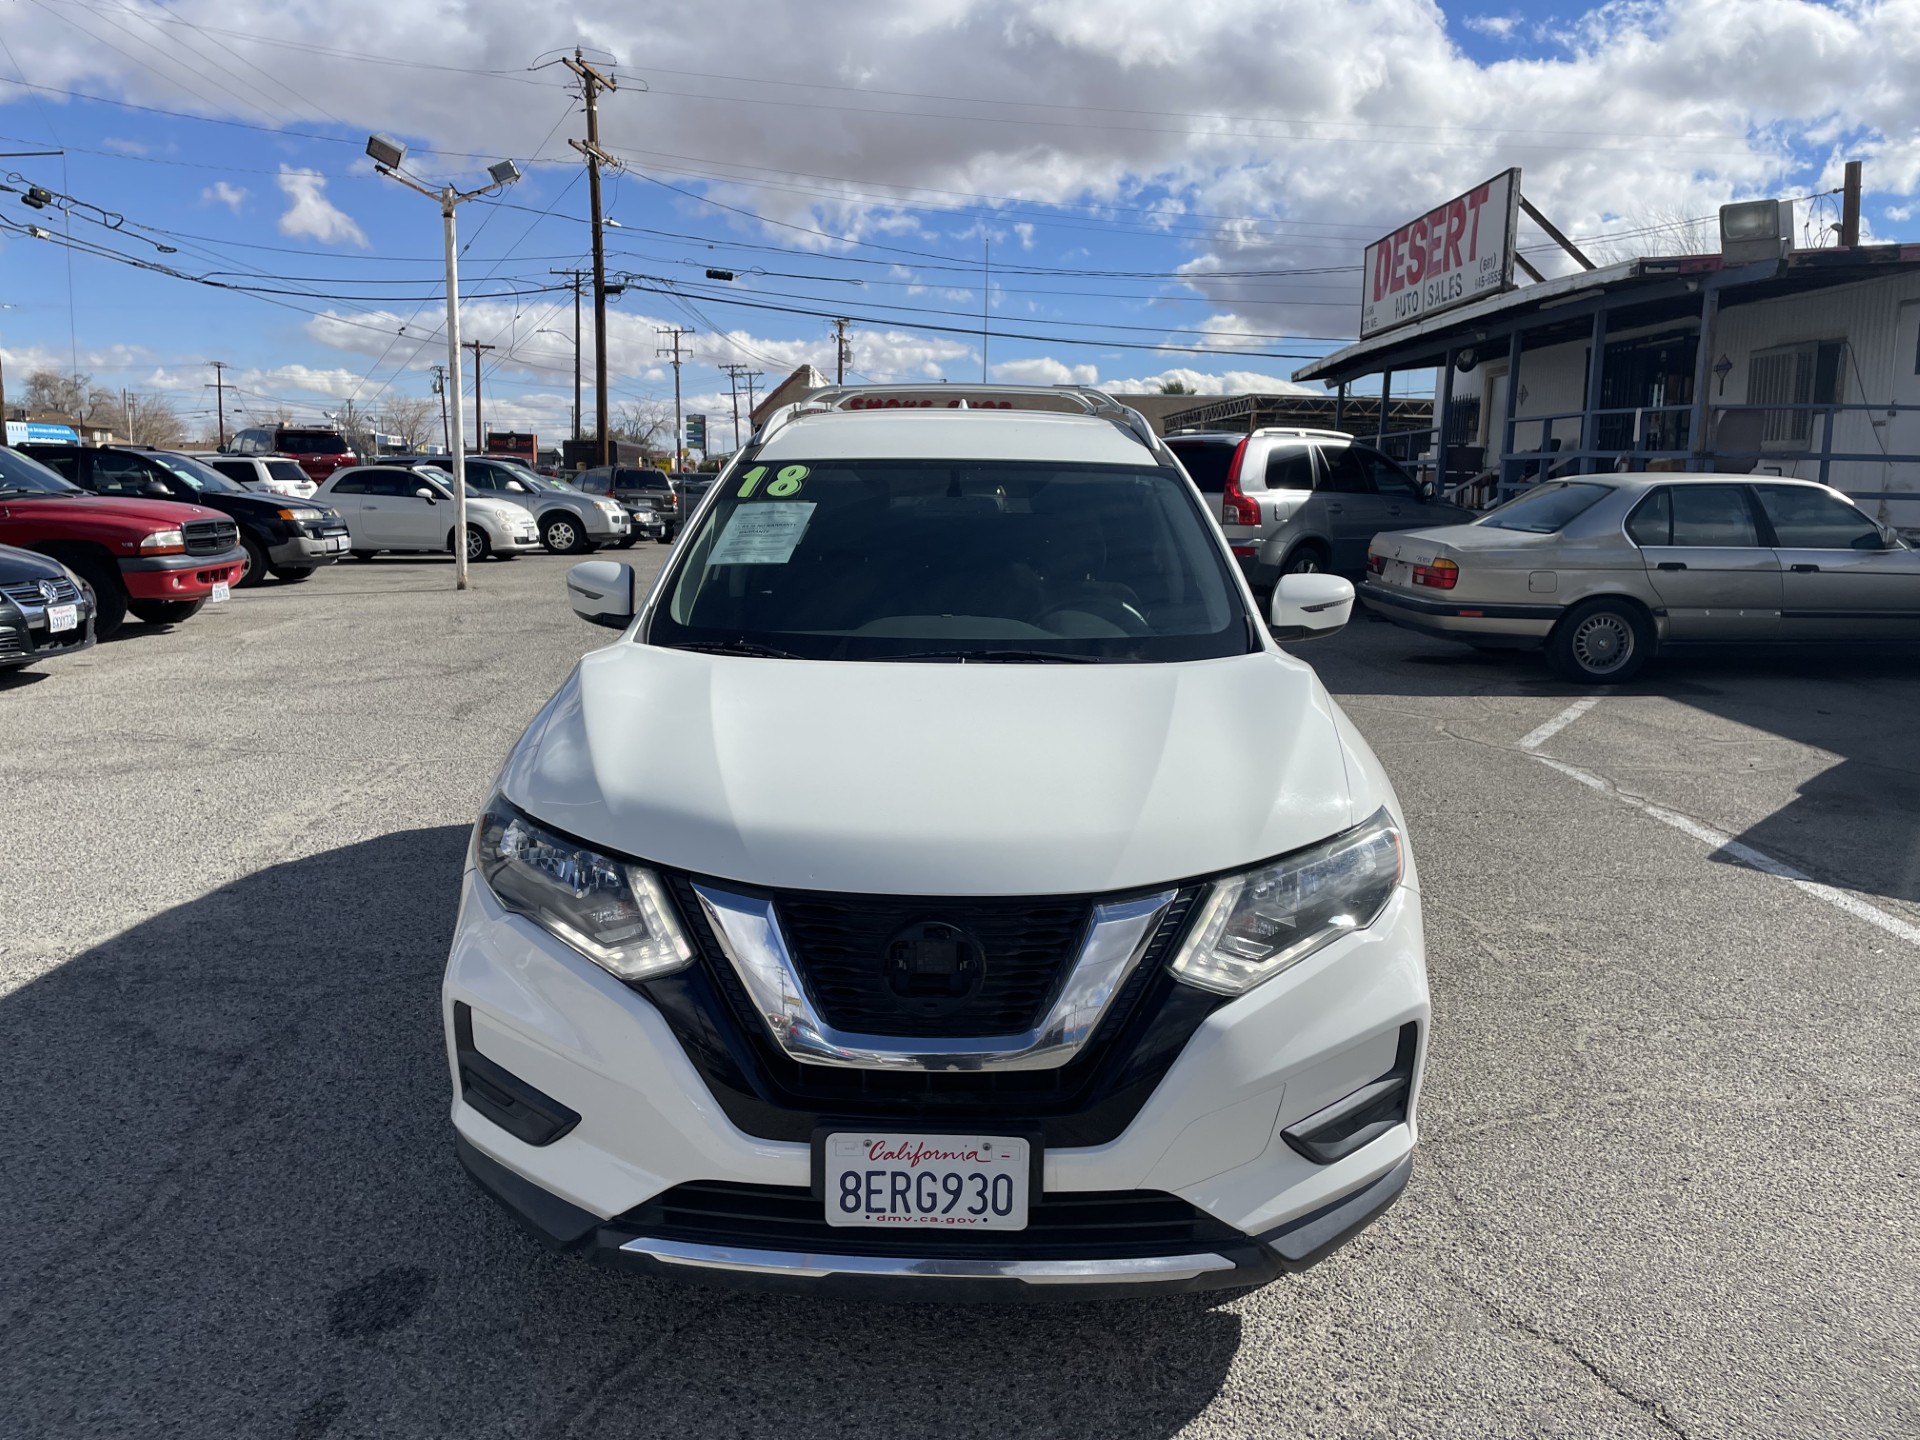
[1305, 562]
[476, 544]
[561, 537]
[1602, 643]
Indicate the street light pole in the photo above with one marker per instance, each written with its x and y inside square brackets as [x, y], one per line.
[387, 155]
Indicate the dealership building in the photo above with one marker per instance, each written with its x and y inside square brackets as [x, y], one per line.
[1760, 358]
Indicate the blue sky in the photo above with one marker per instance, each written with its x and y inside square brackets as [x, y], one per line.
[1148, 182]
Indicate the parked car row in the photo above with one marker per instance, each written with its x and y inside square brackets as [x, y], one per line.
[92, 534]
[74, 563]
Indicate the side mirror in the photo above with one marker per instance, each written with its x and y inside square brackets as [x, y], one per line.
[1308, 607]
[602, 592]
[157, 489]
[423, 493]
[1428, 490]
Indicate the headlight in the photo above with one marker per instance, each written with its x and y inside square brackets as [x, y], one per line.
[607, 507]
[613, 913]
[299, 514]
[162, 541]
[1255, 925]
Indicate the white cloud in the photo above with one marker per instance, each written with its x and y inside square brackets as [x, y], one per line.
[1500, 27]
[1045, 370]
[221, 193]
[311, 214]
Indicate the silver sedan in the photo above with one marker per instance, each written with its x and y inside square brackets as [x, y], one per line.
[1602, 571]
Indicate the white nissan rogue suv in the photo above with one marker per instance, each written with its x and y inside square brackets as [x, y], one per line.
[945, 887]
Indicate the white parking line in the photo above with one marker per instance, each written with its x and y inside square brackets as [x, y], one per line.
[1534, 739]
[1724, 843]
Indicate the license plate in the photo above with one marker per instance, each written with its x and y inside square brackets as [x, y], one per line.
[62, 617]
[338, 542]
[221, 591]
[961, 1182]
[1399, 572]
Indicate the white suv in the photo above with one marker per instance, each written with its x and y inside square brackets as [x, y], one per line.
[944, 888]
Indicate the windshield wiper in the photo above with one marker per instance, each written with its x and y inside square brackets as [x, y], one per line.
[997, 657]
[738, 645]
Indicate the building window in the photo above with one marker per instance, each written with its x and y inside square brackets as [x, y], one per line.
[1806, 374]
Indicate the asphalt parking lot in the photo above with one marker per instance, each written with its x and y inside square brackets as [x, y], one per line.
[1670, 1154]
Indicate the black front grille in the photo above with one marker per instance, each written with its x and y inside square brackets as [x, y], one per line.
[1088, 1101]
[13, 643]
[210, 537]
[28, 592]
[1062, 1225]
[842, 945]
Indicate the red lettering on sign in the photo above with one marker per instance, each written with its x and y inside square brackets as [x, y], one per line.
[1456, 227]
[1417, 251]
[1475, 200]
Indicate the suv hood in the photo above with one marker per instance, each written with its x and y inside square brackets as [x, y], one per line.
[910, 778]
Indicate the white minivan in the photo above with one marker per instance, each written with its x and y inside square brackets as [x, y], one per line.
[945, 887]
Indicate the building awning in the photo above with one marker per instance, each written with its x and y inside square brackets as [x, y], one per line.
[1648, 291]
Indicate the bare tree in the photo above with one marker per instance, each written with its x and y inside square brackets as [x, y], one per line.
[356, 425]
[647, 423]
[66, 394]
[142, 419]
[1662, 230]
[409, 417]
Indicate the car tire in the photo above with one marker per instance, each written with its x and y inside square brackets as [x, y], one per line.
[625, 542]
[478, 546]
[256, 571]
[1602, 642]
[109, 596]
[365, 554]
[562, 535]
[1308, 559]
[663, 539]
[165, 612]
[293, 575]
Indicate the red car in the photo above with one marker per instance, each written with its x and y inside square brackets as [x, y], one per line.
[318, 450]
[157, 558]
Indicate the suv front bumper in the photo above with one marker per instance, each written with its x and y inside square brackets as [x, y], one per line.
[636, 1125]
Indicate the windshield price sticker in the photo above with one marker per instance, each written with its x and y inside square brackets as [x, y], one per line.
[969, 1182]
[763, 534]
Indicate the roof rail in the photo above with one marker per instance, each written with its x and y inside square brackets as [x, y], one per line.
[1096, 403]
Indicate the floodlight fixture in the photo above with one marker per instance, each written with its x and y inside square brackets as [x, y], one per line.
[505, 172]
[1756, 230]
[386, 152]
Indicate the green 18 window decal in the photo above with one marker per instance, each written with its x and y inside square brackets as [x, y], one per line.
[786, 483]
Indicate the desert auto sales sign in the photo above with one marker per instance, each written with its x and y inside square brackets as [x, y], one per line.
[1456, 252]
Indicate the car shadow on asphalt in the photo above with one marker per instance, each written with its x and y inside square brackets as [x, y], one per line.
[1855, 823]
[229, 1204]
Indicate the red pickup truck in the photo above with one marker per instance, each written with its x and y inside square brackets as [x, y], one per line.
[157, 558]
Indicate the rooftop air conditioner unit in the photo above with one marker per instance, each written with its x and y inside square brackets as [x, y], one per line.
[1756, 230]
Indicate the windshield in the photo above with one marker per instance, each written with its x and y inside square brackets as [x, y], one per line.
[20, 474]
[442, 484]
[947, 560]
[192, 473]
[311, 442]
[1547, 507]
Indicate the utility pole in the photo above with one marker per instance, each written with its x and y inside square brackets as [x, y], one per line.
[671, 352]
[841, 352]
[747, 377]
[578, 280]
[479, 430]
[220, 397]
[592, 82]
[734, 372]
[440, 389]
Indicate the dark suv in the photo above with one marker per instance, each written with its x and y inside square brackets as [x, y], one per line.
[648, 495]
[292, 538]
[319, 450]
